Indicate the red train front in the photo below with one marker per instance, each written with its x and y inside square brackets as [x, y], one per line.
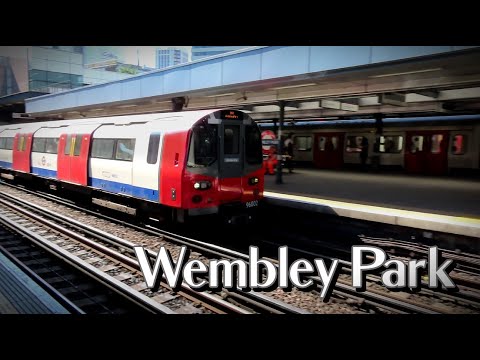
[223, 167]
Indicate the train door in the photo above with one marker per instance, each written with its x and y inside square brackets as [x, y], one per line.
[231, 160]
[328, 150]
[427, 152]
[65, 152]
[22, 148]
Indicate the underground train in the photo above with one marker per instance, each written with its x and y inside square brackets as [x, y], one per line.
[432, 145]
[176, 165]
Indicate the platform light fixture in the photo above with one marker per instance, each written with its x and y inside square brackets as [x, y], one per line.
[127, 105]
[293, 86]
[406, 73]
[219, 95]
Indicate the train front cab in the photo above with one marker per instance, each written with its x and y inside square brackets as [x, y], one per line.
[224, 167]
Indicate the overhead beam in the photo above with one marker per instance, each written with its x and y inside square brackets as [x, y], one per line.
[384, 109]
[393, 99]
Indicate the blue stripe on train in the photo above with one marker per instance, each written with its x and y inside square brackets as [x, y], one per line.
[6, 164]
[44, 172]
[120, 188]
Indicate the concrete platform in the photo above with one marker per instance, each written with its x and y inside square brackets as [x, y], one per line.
[429, 203]
[19, 294]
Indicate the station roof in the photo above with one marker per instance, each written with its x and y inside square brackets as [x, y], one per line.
[313, 81]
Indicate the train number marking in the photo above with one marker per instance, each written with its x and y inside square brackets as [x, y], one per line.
[250, 204]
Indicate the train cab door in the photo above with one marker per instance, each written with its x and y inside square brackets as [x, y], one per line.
[328, 150]
[426, 152]
[231, 160]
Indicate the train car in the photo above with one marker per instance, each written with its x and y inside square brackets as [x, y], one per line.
[430, 145]
[169, 164]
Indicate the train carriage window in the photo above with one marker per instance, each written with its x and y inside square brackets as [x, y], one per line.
[9, 143]
[125, 149]
[153, 145]
[321, 143]
[417, 144]
[51, 145]
[68, 145]
[38, 145]
[231, 140]
[103, 148]
[436, 144]
[303, 143]
[2, 143]
[78, 145]
[354, 144]
[253, 145]
[459, 144]
[21, 143]
[390, 144]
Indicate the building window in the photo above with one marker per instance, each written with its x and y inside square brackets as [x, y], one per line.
[153, 145]
[303, 143]
[103, 148]
[459, 144]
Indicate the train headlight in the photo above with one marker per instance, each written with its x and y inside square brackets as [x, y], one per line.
[253, 181]
[202, 185]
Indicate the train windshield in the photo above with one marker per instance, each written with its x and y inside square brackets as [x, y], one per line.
[203, 145]
[253, 145]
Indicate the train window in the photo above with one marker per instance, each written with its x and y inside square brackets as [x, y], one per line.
[153, 145]
[303, 143]
[103, 148]
[436, 144]
[253, 145]
[203, 146]
[38, 145]
[78, 145]
[68, 145]
[2, 143]
[51, 145]
[459, 145]
[125, 149]
[329, 143]
[390, 144]
[417, 144]
[21, 143]
[354, 144]
[9, 143]
[231, 140]
[321, 143]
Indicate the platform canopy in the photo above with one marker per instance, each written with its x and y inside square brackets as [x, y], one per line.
[313, 81]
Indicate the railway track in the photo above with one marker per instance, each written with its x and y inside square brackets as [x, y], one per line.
[371, 299]
[112, 258]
